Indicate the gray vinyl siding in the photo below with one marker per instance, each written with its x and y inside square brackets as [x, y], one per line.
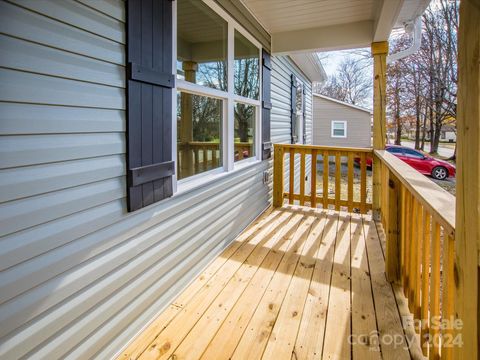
[79, 276]
[282, 69]
[359, 132]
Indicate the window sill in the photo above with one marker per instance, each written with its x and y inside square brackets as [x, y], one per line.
[187, 185]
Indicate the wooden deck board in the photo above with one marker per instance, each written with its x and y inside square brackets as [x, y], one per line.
[338, 327]
[298, 283]
[310, 336]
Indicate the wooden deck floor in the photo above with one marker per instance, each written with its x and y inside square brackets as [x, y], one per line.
[297, 284]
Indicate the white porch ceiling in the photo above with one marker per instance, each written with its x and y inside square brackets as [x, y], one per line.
[322, 25]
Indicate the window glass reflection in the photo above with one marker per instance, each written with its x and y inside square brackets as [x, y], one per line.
[201, 45]
[244, 131]
[199, 129]
[247, 61]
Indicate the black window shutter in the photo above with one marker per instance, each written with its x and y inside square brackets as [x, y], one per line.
[304, 117]
[293, 107]
[266, 105]
[150, 84]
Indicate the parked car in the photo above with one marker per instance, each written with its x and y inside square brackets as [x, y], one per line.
[425, 164]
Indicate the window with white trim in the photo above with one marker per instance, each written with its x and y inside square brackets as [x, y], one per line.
[218, 91]
[339, 129]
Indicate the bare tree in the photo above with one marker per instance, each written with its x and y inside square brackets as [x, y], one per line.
[351, 83]
[430, 75]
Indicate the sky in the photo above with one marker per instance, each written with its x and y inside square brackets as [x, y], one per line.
[330, 61]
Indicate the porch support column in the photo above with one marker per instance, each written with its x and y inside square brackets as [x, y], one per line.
[467, 227]
[186, 122]
[379, 53]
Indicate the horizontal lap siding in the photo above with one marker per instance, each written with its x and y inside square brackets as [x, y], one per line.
[282, 69]
[359, 132]
[79, 276]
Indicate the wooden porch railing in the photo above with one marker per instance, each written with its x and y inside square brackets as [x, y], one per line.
[419, 221]
[199, 156]
[308, 192]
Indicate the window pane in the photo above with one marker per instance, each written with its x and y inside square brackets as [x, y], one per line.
[413, 154]
[395, 150]
[247, 62]
[244, 131]
[199, 130]
[201, 45]
[338, 125]
[338, 132]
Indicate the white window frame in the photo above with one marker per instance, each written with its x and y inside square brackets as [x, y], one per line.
[229, 99]
[344, 129]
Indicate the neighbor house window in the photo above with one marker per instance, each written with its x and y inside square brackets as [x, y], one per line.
[218, 83]
[339, 129]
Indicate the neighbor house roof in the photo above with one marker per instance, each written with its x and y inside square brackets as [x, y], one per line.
[343, 103]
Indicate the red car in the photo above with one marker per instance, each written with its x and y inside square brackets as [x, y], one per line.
[426, 165]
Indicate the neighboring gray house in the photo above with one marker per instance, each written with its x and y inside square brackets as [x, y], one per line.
[98, 233]
[337, 123]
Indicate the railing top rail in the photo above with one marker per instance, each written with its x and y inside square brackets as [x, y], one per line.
[321, 148]
[439, 203]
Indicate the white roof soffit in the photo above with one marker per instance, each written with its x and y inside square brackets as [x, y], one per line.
[309, 26]
[311, 66]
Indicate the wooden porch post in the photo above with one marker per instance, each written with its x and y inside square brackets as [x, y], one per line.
[467, 227]
[278, 183]
[379, 52]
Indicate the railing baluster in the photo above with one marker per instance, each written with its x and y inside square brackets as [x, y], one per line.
[338, 177]
[205, 159]
[392, 258]
[302, 177]
[448, 297]
[434, 353]
[363, 183]
[292, 177]
[408, 223]
[418, 262]
[350, 182]
[325, 178]
[425, 282]
[197, 161]
[413, 255]
[313, 180]
[402, 230]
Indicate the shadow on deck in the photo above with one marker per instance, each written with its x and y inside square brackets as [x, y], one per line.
[299, 283]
